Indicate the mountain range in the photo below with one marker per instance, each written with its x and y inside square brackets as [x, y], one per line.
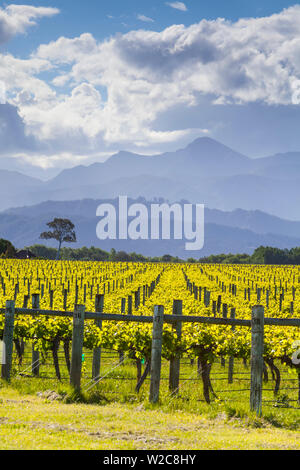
[225, 232]
[206, 171]
[249, 201]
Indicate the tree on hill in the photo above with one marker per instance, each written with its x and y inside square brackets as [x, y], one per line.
[62, 231]
[7, 250]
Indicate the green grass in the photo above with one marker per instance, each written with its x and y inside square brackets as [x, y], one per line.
[112, 416]
[29, 422]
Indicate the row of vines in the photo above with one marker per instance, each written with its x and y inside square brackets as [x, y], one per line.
[134, 288]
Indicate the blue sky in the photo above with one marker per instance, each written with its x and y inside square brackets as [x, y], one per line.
[81, 80]
[103, 18]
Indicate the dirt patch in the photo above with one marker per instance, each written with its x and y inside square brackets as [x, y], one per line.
[139, 438]
[50, 395]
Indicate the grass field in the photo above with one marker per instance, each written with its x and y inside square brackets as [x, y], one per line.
[112, 416]
[30, 422]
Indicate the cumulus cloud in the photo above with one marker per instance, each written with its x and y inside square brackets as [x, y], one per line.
[15, 19]
[177, 5]
[13, 136]
[66, 50]
[112, 92]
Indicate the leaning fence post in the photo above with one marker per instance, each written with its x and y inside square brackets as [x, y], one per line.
[99, 302]
[158, 321]
[35, 364]
[8, 338]
[175, 361]
[257, 362]
[77, 345]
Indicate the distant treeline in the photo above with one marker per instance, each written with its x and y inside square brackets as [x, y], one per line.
[96, 254]
[262, 255]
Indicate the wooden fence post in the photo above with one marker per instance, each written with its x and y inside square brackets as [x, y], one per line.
[35, 364]
[224, 315]
[175, 362]
[258, 294]
[129, 305]
[158, 321]
[231, 359]
[123, 310]
[99, 303]
[77, 344]
[8, 339]
[51, 293]
[65, 294]
[137, 296]
[257, 362]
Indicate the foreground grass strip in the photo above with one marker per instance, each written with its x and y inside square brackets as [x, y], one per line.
[32, 423]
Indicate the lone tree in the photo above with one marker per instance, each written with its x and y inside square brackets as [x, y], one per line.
[7, 250]
[62, 231]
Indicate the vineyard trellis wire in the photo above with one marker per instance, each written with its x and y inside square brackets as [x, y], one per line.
[158, 319]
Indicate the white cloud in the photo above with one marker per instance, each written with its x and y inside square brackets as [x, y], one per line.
[144, 18]
[22, 76]
[177, 5]
[114, 91]
[66, 50]
[47, 161]
[15, 19]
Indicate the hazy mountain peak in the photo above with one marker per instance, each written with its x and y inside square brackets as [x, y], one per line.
[207, 144]
[204, 141]
[204, 171]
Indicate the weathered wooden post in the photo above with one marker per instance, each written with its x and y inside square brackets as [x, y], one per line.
[35, 364]
[65, 294]
[207, 298]
[25, 301]
[175, 361]
[157, 335]
[129, 305]
[231, 359]
[196, 292]
[200, 293]
[76, 293]
[137, 297]
[8, 339]
[280, 302]
[123, 310]
[257, 362]
[258, 294]
[224, 315]
[99, 303]
[77, 345]
[219, 303]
